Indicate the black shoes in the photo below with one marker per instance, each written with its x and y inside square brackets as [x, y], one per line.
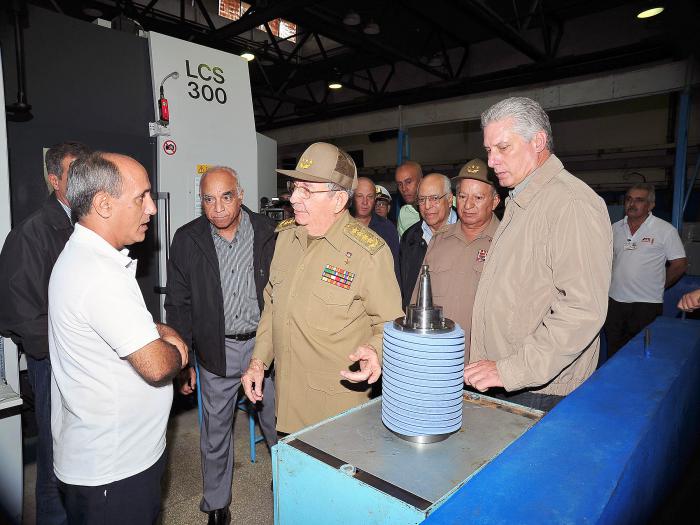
[219, 517]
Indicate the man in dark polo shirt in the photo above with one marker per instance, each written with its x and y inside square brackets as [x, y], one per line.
[219, 265]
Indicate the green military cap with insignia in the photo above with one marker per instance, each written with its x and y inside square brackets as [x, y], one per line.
[475, 169]
[323, 162]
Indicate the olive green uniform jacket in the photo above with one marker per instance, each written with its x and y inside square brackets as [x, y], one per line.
[543, 293]
[323, 301]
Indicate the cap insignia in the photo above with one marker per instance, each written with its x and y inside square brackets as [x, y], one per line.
[305, 163]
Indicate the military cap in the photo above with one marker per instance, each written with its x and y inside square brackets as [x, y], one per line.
[323, 162]
[475, 169]
[382, 193]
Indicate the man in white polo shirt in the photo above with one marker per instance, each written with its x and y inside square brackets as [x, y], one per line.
[642, 245]
[112, 365]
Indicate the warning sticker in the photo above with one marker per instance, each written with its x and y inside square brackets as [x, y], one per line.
[169, 147]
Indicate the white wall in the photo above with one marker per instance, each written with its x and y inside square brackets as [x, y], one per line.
[267, 163]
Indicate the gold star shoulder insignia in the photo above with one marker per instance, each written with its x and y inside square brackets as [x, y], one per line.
[286, 224]
[363, 236]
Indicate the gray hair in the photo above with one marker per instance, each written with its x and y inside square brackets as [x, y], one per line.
[645, 186]
[332, 186]
[56, 153]
[528, 117]
[88, 175]
[446, 184]
[225, 169]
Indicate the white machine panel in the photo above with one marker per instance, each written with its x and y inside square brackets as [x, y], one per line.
[211, 123]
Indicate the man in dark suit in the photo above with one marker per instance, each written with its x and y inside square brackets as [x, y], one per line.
[28, 256]
[219, 265]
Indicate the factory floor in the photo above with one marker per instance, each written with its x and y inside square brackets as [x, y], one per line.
[182, 483]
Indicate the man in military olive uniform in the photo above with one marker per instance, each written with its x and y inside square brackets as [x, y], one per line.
[331, 289]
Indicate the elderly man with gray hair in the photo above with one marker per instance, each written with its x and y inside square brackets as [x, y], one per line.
[218, 268]
[642, 247]
[542, 297]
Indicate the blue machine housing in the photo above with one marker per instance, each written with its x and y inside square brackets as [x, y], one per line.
[608, 453]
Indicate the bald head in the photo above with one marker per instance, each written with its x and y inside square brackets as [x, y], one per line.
[364, 198]
[219, 173]
[407, 176]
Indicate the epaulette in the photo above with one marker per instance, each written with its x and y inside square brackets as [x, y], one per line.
[285, 225]
[364, 236]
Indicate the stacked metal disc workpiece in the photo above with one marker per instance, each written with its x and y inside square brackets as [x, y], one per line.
[423, 371]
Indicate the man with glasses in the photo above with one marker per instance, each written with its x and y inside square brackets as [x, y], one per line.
[219, 265]
[642, 247]
[331, 290]
[434, 200]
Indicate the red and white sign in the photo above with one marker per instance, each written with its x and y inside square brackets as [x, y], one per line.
[169, 147]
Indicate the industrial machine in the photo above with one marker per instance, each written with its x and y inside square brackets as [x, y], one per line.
[396, 459]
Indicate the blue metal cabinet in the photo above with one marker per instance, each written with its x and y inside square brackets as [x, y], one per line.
[350, 469]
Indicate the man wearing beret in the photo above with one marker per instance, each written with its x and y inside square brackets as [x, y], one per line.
[457, 252]
[331, 289]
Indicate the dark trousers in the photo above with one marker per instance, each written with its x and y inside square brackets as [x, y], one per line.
[134, 500]
[49, 507]
[625, 320]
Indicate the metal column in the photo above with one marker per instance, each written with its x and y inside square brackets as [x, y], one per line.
[679, 169]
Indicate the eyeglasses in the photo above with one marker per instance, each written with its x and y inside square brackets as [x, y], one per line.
[432, 199]
[303, 190]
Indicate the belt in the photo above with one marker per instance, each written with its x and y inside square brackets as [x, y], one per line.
[241, 337]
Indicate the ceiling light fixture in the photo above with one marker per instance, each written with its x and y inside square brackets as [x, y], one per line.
[352, 19]
[247, 56]
[335, 84]
[652, 11]
[372, 28]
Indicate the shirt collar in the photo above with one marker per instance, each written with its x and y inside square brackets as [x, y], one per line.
[334, 235]
[455, 230]
[519, 187]
[531, 185]
[647, 222]
[428, 233]
[87, 236]
[245, 221]
[66, 209]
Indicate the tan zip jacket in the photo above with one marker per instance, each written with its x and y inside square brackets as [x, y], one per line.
[543, 294]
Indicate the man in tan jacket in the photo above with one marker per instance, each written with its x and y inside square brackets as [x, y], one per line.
[331, 289]
[542, 298]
